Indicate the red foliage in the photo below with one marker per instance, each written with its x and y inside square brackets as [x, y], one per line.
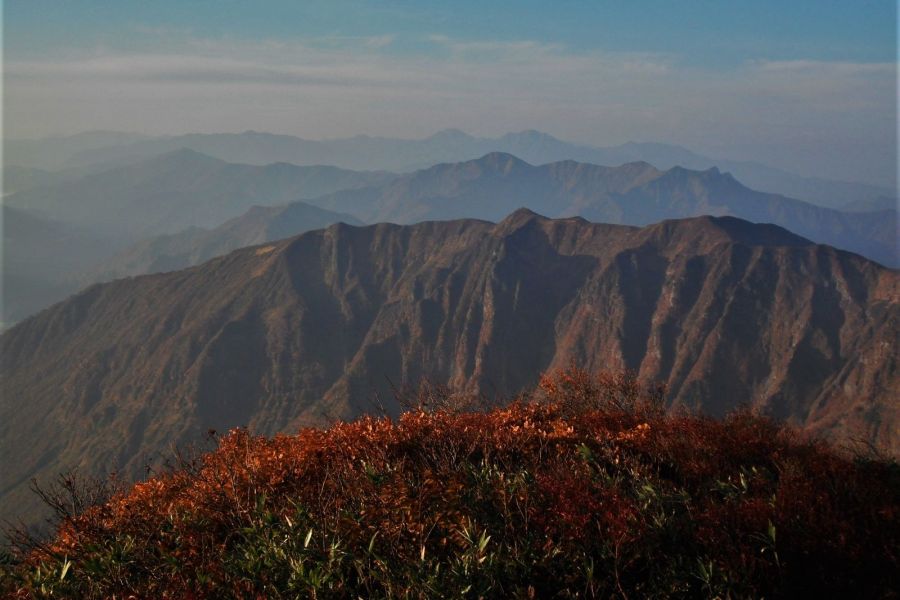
[592, 469]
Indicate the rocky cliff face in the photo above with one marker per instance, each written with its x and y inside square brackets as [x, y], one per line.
[308, 329]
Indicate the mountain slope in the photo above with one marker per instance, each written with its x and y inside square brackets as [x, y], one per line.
[308, 329]
[16, 179]
[634, 194]
[39, 256]
[195, 245]
[367, 153]
[183, 188]
[54, 152]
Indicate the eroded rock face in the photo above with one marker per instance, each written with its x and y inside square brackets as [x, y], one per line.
[312, 328]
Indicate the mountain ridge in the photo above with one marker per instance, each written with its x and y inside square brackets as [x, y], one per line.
[634, 193]
[193, 246]
[367, 152]
[181, 188]
[307, 329]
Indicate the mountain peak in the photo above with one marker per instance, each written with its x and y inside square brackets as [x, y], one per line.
[713, 174]
[501, 161]
[730, 229]
[182, 155]
[450, 135]
[521, 215]
[638, 166]
[757, 234]
[531, 136]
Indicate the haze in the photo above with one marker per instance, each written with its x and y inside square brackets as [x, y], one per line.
[809, 87]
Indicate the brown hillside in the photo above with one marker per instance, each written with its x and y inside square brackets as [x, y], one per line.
[306, 330]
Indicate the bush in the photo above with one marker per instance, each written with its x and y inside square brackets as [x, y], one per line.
[586, 490]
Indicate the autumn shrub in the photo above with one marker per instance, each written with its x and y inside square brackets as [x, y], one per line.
[583, 489]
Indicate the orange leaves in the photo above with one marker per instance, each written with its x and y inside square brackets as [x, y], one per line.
[574, 389]
[592, 472]
[639, 432]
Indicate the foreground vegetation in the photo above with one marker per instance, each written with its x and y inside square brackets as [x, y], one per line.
[586, 490]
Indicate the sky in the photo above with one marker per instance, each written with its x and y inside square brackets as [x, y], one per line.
[806, 85]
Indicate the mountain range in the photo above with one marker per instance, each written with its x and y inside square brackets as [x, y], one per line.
[61, 227]
[633, 194]
[179, 189]
[310, 328]
[496, 184]
[39, 256]
[54, 153]
[175, 206]
[403, 155]
[16, 179]
[196, 245]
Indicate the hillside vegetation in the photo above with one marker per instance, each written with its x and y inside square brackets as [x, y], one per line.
[584, 488]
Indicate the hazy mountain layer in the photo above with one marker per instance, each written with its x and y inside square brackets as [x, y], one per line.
[62, 225]
[55, 152]
[194, 246]
[496, 184]
[168, 193]
[308, 329]
[871, 205]
[16, 179]
[367, 153]
[634, 194]
[39, 259]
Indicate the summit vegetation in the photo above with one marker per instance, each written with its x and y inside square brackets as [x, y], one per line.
[583, 488]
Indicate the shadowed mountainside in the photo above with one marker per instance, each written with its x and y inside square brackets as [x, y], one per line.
[306, 330]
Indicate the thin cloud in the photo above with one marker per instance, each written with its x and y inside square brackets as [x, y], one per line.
[337, 86]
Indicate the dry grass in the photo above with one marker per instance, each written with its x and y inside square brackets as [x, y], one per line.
[586, 490]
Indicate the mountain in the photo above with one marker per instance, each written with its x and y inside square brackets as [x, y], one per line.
[54, 153]
[871, 205]
[39, 256]
[823, 192]
[16, 179]
[376, 153]
[183, 188]
[195, 245]
[63, 226]
[312, 328]
[634, 194]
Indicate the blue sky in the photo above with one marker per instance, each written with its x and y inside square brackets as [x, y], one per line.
[718, 32]
[810, 85]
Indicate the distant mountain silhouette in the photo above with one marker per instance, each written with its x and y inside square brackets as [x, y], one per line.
[634, 194]
[306, 330]
[56, 152]
[179, 189]
[16, 179]
[880, 203]
[62, 226]
[494, 185]
[39, 257]
[195, 245]
[375, 153]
